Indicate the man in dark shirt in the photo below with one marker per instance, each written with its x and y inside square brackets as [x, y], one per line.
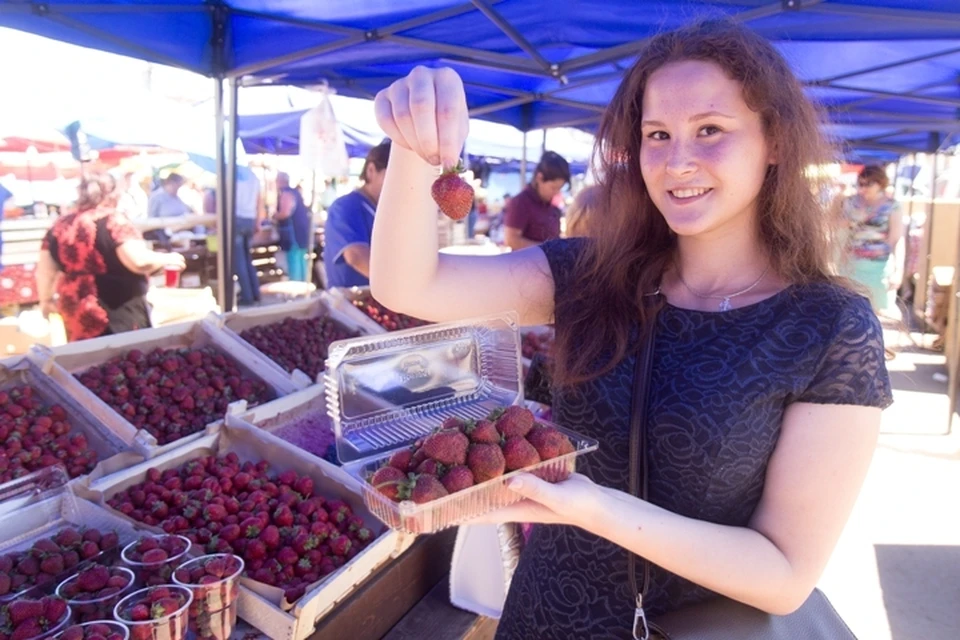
[530, 218]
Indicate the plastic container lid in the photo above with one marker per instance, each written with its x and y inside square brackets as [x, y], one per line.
[386, 391]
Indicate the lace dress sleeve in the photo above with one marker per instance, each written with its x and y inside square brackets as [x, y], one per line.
[852, 369]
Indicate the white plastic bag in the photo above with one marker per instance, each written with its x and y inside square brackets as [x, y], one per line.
[322, 145]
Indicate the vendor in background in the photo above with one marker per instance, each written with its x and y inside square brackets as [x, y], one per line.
[346, 254]
[530, 217]
[293, 226]
[165, 202]
[97, 262]
[250, 212]
[874, 225]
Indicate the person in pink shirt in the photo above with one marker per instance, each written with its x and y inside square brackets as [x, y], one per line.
[530, 218]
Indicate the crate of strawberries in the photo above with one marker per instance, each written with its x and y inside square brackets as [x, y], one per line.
[293, 336]
[305, 539]
[427, 419]
[359, 303]
[40, 426]
[167, 384]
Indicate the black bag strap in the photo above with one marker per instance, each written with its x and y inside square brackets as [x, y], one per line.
[638, 451]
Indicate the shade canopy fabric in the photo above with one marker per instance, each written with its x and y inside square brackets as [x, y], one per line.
[886, 70]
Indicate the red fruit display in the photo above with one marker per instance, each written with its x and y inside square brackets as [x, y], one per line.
[295, 343]
[154, 558]
[453, 194]
[533, 342]
[156, 613]
[25, 619]
[173, 393]
[273, 522]
[94, 592]
[50, 560]
[215, 583]
[35, 434]
[99, 630]
[463, 453]
[389, 320]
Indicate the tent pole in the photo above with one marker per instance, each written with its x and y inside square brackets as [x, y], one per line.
[934, 145]
[231, 213]
[223, 237]
[543, 147]
[523, 164]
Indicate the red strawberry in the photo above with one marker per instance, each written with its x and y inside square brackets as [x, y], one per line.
[73, 633]
[94, 578]
[5, 583]
[214, 512]
[68, 537]
[452, 194]
[28, 566]
[426, 488]
[401, 459]
[283, 517]
[52, 564]
[518, 453]
[119, 581]
[447, 447]
[340, 545]
[387, 480]
[270, 536]
[304, 486]
[483, 432]
[432, 467]
[287, 556]
[256, 550]
[88, 550]
[139, 613]
[546, 440]
[486, 461]
[457, 478]
[21, 610]
[155, 556]
[453, 423]
[27, 630]
[54, 609]
[164, 607]
[515, 421]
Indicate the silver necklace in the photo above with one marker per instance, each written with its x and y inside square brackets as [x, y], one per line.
[724, 300]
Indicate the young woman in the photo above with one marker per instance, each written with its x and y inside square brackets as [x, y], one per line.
[768, 376]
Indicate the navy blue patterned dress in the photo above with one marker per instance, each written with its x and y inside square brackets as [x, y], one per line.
[720, 386]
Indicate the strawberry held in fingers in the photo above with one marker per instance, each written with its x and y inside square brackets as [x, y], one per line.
[452, 194]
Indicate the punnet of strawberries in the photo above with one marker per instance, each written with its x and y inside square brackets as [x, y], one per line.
[154, 558]
[462, 453]
[155, 613]
[173, 393]
[35, 435]
[288, 536]
[215, 582]
[94, 591]
[99, 630]
[25, 619]
[50, 558]
[296, 343]
[389, 320]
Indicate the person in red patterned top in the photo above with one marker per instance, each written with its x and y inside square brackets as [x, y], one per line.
[97, 262]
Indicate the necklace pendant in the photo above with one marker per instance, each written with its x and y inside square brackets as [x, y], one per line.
[725, 305]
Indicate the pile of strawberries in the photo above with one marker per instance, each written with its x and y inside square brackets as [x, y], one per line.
[155, 557]
[101, 630]
[389, 320]
[172, 393]
[34, 435]
[287, 536]
[297, 343]
[50, 557]
[25, 619]
[463, 453]
[93, 592]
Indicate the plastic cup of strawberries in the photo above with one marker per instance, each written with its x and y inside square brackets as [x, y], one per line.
[154, 558]
[26, 619]
[215, 582]
[97, 630]
[156, 613]
[94, 592]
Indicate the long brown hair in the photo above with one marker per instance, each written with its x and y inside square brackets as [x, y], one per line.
[633, 246]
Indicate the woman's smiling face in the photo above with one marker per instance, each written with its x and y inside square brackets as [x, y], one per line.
[704, 153]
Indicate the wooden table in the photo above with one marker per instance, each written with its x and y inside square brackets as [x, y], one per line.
[407, 600]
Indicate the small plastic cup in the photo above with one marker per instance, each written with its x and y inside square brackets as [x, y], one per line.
[54, 630]
[213, 614]
[89, 610]
[117, 631]
[154, 574]
[172, 277]
[173, 626]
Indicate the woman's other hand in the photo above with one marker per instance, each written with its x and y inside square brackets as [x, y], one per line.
[426, 112]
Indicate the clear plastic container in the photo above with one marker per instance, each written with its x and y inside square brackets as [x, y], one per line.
[213, 614]
[156, 573]
[99, 608]
[385, 392]
[173, 626]
[113, 630]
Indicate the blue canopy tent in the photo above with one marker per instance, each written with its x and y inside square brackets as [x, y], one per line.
[886, 71]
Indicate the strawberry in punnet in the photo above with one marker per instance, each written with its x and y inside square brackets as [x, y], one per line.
[518, 453]
[457, 478]
[387, 480]
[401, 459]
[483, 432]
[93, 579]
[486, 461]
[448, 447]
[515, 421]
[547, 441]
[426, 488]
[452, 194]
